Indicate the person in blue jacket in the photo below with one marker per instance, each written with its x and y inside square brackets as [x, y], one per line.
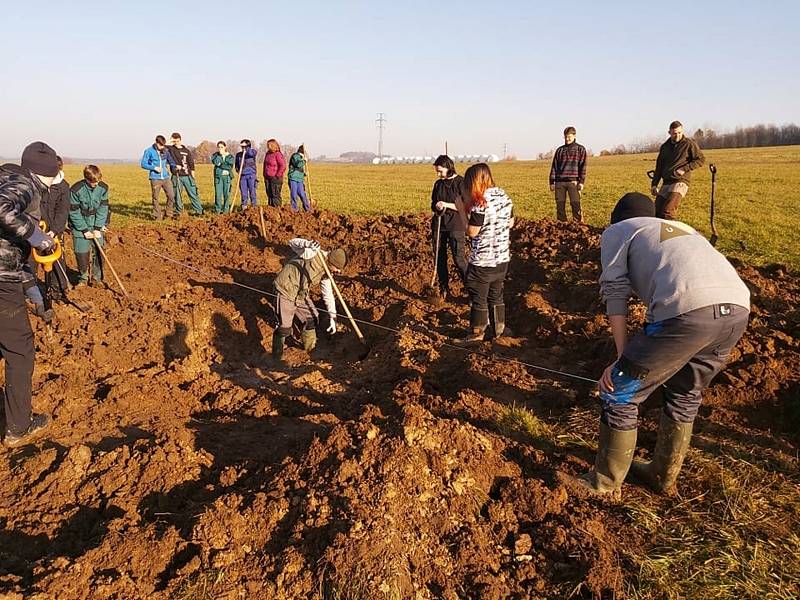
[247, 183]
[154, 160]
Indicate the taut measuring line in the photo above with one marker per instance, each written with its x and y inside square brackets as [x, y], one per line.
[370, 323]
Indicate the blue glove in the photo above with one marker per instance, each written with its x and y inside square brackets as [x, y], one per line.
[40, 240]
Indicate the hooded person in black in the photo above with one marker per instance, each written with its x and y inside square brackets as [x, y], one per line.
[21, 186]
[450, 232]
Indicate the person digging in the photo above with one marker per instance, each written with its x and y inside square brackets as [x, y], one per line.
[292, 287]
[697, 309]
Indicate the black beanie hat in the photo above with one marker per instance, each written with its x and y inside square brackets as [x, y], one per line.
[40, 159]
[631, 205]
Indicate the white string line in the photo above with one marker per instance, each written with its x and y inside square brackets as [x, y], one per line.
[363, 322]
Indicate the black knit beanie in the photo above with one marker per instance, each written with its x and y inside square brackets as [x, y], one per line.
[631, 205]
[40, 159]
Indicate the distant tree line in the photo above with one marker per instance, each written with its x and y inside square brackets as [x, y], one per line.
[756, 136]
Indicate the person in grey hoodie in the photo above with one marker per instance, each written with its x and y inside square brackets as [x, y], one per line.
[697, 310]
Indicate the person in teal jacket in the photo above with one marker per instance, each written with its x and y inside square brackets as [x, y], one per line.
[223, 173]
[88, 217]
[297, 176]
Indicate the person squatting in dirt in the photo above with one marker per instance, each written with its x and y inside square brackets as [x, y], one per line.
[297, 176]
[293, 286]
[154, 161]
[88, 218]
[181, 162]
[246, 166]
[223, 173]
[697, 309]
[274, 169]
[487, 213]
[677, 158]
[447, 228]
[20, 186]
[568, 176]
[55, 212]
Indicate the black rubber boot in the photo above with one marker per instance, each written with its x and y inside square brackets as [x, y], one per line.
[478, 322]
[671, 448]
[498, 319]
[82, 258]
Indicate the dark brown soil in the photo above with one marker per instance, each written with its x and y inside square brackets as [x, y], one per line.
[184, 463]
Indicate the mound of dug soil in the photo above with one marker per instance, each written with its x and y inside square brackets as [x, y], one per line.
[184, 463]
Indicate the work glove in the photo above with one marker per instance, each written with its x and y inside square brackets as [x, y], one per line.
[313, 244]
[331, 326]
[98, 235]
[89, 235]
[41, 241]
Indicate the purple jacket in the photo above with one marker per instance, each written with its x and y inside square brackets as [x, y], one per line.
[274, 164]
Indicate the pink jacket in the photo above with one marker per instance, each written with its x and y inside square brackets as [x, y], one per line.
[274, 164]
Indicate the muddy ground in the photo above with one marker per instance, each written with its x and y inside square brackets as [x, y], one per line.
[184, 463]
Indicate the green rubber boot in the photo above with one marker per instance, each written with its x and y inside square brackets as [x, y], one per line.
[278, 342]
[309, 339]
[672, 445]
[614, 456]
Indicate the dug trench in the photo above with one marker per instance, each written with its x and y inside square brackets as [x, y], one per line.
[183, 462]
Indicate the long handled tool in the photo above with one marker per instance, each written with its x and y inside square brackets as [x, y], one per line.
[81, 306]
[436, 248]
[307, 183]
[110, 266]
[713, 168]
[344, 304]
[238, 179]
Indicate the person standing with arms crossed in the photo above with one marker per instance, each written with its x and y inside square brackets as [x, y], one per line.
[568, 176]
[677, 157]
[223, 173]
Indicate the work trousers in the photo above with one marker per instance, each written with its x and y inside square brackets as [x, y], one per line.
[456, 242]
[247, 187]
[564, 189]
[16, 346]
[682, 354]
[222, 194]
[298, 188]
[188, 183]
[667, 206]
[485, 286]
[162, 184]
[83, 248]
[274, 185]
[286, 310]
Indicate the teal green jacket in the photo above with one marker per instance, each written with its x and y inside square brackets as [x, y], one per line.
[222, 163]
[88, 207]
[297, 167]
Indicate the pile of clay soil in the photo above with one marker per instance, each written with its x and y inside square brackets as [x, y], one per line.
[184, 463]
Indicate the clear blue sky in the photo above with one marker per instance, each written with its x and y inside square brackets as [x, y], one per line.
[100, 79]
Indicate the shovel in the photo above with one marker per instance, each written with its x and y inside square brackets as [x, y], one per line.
[431, 292]
[713, 168]
[346, 309]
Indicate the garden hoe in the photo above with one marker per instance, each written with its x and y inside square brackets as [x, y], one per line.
[360, 335]
[431, 293]
[713, 168]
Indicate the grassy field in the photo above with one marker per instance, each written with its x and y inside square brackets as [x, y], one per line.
[757, 197]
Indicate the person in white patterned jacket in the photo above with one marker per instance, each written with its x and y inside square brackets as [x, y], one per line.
[488, 216]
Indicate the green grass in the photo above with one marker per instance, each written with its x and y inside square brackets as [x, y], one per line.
[757, 198]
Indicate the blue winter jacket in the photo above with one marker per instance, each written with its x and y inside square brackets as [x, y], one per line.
[151, 159]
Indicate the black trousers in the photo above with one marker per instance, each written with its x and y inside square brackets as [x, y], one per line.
[485, 286]
[456, 241]
[16, 346]
[274, 185]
